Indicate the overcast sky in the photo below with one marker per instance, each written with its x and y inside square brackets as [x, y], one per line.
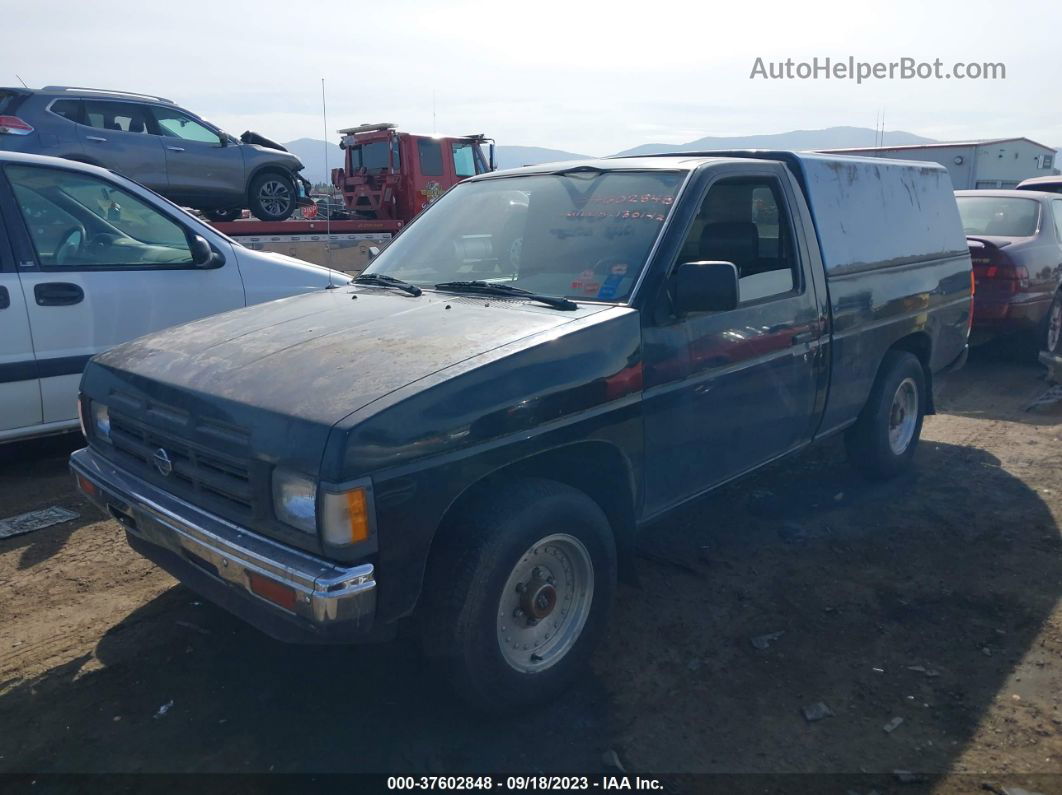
[581, 75]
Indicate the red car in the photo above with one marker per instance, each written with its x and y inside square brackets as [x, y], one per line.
[1015, 239]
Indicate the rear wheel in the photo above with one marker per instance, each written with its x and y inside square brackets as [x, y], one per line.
[1053, 326]
[519, 593]
[272, 196]
[883, 440]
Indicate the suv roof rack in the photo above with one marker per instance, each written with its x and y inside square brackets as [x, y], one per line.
[83, 90]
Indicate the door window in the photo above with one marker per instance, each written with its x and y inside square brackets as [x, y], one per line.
[69, 109]
[464, 159]
[175, 124]
[1056, 205]
[78, 220]
[431, 162]
[744, 221]
[116, 116]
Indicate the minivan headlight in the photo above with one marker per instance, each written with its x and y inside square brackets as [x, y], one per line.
[295, 500]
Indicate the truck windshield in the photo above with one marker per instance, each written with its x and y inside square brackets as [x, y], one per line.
[579, 234]
[1000, 216]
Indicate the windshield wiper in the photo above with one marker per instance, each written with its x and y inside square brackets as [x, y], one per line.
[489, 288]
[382, 280]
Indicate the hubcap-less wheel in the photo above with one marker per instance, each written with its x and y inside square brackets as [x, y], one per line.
[274, 197]
[545, 603]
[1054, 325]
[903, 416]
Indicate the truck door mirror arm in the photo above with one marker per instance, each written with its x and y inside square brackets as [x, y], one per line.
[705, 287]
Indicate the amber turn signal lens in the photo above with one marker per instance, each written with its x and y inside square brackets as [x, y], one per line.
[359, 517]
[346, 516]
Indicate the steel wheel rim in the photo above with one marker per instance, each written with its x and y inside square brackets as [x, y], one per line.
[903, 416]
[556, 567]
[274, 197]
[1054, 326]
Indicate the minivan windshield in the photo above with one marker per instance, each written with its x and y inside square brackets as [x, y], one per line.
[998, 216]
[583, 234]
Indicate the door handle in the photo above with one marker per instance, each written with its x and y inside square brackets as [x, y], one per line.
[175, 148]
[5, 298]
[804, 336]
[98, 139]
[58, 294]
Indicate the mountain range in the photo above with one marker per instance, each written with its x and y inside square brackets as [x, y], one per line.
[312, 151]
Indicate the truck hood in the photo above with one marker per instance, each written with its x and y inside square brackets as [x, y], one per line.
[321, 356]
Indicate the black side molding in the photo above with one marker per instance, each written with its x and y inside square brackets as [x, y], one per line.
[42, 368]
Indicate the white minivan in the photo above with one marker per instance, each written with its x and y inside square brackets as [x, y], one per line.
[89, 259]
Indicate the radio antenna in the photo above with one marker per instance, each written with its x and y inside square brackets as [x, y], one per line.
[328, 213]
[21, 80]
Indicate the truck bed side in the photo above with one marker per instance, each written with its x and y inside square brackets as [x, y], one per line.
[897, 269]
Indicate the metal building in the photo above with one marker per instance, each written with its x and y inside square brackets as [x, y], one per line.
[990, 163]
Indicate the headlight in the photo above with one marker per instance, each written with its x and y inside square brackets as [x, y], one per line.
[295, 500]
[101, 421]
[346, 517]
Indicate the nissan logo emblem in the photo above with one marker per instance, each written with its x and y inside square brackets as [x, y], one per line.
[162, 462]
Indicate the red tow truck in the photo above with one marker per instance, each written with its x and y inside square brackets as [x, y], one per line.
[387, 177]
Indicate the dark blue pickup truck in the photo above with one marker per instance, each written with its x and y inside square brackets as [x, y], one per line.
[472, 433]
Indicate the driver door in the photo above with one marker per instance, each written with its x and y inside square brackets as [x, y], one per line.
[99, 266]
[200, 163]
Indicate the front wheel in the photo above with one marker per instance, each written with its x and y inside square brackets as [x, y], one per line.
[225, 215]
[272, 196]
[883, 440]
[518, 593]
[1053, 325]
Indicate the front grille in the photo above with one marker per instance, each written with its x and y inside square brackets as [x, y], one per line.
[204, 475]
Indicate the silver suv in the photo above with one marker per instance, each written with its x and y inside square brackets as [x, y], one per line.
[157, 143]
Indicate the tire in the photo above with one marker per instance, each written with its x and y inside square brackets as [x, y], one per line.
[882, 442]
[1052, 332]
[222, 216]
[475, 615]
[272, 196]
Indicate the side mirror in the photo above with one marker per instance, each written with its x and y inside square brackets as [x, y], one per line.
[705, 287]
[374, 252]
[202, 253]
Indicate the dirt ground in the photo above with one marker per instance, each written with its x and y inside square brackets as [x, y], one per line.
[933, 599]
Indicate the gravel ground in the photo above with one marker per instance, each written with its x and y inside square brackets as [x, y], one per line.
[917, 621]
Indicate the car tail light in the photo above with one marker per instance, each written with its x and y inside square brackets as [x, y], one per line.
[992, 264]
[13, 125]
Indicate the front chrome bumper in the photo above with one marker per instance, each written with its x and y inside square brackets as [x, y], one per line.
[218, 558]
